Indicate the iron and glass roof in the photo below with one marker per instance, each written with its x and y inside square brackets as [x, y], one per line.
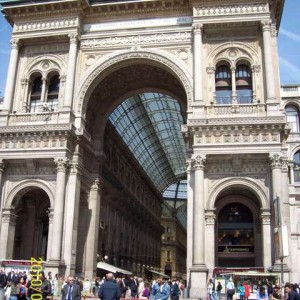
[150, 124]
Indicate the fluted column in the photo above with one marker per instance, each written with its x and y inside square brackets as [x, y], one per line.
[71, 70]
[198, 90]
[266, 234]
[71, 217]
[56, 240]
[93, 230]
[11, 74]
[7, 236]
[199, 213]
[268, 58]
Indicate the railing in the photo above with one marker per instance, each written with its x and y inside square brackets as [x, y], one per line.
[221, 109]
[39, 117]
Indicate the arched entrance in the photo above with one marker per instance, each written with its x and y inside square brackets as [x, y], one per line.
[123, 236]
[238, 230]
[32, 224]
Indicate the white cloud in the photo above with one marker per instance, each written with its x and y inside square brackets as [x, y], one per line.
[293, 36]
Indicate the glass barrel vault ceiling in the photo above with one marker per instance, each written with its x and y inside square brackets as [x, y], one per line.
[150, 125]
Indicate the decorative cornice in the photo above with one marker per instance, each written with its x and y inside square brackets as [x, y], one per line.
[228, 10]
[136, 40]
[46, 25]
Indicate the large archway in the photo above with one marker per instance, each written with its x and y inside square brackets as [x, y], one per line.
[128, 84]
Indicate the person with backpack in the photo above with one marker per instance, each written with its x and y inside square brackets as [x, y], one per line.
[175, 291]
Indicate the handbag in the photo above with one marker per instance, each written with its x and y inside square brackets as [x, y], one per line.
[230, 291]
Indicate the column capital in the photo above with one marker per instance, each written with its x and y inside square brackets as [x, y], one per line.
[210, 217]
[198, 163]
[96, 184]
[266, 25]
[61, 164]
[76, 168]
[15, 43]
[210, 70]
[266, 218]
[188, 165]
[50, 212]
[74, 37]
[2, 165]
[197, 28]
[278, 162]
[8, 216]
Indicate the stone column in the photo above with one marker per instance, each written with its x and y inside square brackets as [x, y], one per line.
[2, 167]
[268, 58]
[11, 74]
[71, 217]
[198, 271]
[198, 90]
[233, 82]
[69, 90]
[210, 239]
[93, 230]
[50, 215]
[25, 87]
[7, 236]
[267, 238]
[211, 71]
[255, 70]
[43, 94]
[190, 211]
[58, 214]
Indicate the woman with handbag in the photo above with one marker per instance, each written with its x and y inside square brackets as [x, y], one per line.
[230, 289]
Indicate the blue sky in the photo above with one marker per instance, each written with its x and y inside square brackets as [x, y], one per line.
[288, 45]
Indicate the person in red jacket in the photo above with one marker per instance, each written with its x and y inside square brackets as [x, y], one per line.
[247, 290]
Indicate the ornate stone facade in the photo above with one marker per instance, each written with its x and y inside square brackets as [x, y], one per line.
[239, 149]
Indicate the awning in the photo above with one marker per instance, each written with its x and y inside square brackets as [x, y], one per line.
[157, 273]
[110, 268]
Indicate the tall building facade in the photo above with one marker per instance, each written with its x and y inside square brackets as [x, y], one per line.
[66, 175]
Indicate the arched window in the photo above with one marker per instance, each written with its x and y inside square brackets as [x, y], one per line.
[296, 162]
[36, 93]
[243, 84]
[292, 117]
[53, 92]
[223, 84]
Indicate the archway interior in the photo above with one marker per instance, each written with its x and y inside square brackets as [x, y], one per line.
[235, 232]
[32, 212]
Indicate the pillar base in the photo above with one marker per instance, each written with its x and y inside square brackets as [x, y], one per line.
[198, 281]
[56, 267]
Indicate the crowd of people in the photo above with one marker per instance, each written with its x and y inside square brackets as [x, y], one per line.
[17, 286]
[245, 290]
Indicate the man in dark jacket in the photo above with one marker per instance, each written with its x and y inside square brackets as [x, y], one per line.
[292, 295]
[109, 290]
[71, 291]
[3, 281]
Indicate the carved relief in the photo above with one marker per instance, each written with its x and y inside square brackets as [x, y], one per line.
[226, 10]
[151, 39]
[46, 25]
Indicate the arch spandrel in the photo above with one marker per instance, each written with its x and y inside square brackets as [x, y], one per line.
[117, 60]
[250, 184]
[24, 186]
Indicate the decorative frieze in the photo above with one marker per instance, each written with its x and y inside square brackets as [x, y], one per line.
[228, 10]
[46, 25]
[150, 39]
